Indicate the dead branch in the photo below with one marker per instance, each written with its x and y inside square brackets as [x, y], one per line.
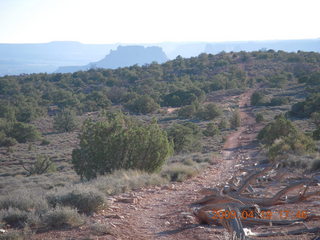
[252, 178]
[233, 197]
[285, 233]
[234, 225]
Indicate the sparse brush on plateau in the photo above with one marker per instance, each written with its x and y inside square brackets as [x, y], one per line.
[154, 148]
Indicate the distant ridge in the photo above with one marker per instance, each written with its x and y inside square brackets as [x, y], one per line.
[48, 57]
[309, 45]
[123, 56]
[192, 49]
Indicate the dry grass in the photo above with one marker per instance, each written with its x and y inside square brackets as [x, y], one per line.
[99, 229]
[62, 217]
[24, 200]
[13, 235]
[178, 172]
[123, 181]
[86, 199]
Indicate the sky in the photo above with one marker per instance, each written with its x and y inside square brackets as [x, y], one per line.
[154, 21]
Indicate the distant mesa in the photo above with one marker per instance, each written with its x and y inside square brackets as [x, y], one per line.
[123, 56]
[48, 57]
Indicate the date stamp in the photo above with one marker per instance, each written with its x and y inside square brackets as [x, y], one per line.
[282, 214]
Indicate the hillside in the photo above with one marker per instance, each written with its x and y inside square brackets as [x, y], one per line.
[48, 57]
[137, 152]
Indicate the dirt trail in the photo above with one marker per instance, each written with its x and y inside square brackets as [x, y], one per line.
[164, 213]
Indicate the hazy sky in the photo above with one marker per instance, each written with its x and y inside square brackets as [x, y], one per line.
[150, 21]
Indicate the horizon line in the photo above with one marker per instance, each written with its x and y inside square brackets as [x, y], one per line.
[162, 42]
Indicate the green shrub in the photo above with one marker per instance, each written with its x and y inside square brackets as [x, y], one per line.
[279, 79]
[257, 98]
[306, 108]
[65, 121]
[6, 141]
[211, 130]
[7, 110]
[209, 112]
[95, 100]
[292, 144]
[281, 127]
[62, 217]
[186, 137]
[85, 200]
[142, 104]
[23, 132]
[188, 111]
[12, 132]
[235, 120]
[181, 98]
[178, 172]
[259, 118]
[25, 112]
[120, 143]
[278, 101]
[284, 138]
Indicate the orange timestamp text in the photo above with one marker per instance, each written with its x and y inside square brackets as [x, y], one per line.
[284, 214]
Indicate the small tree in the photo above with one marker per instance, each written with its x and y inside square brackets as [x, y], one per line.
[257, 98]
[22, 132]
[142, 104]
[65, 121]
[307, 107]
[6, 141]
[235, 119]
[283, 138]
[186, 137]
[209, 112]
[187, 111]
[281, 127]
[120, 143]
[298, 143]
[278, 101]
[42, 165]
